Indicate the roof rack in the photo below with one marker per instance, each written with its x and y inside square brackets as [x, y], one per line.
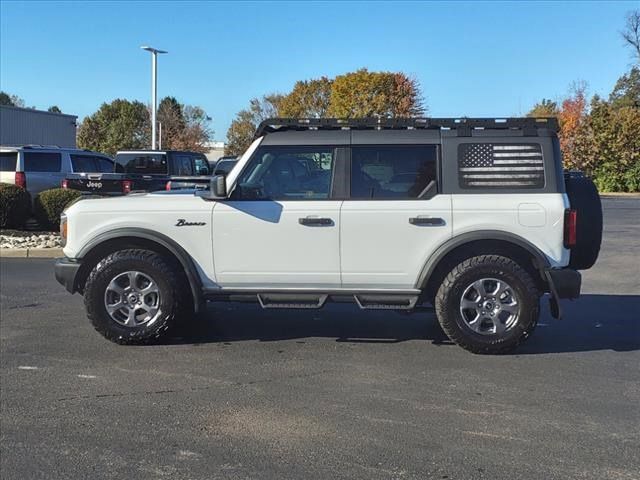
[463, 124]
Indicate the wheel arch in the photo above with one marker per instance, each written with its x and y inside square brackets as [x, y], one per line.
[123, 238]
[467, 245]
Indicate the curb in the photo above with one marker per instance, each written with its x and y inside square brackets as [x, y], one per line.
[620, 195]
[31, 253]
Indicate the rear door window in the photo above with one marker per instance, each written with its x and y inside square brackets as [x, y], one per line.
[42, 162]
[142, 163]
[8, 161]
[393, 171]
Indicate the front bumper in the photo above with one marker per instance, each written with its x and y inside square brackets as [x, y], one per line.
[66, 270]
[566, 282]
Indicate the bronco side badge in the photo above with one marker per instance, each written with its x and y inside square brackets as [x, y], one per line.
[183, 223]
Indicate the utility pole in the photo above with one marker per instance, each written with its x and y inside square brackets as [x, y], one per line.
[154, 90]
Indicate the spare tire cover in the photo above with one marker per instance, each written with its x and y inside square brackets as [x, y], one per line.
[583, 197]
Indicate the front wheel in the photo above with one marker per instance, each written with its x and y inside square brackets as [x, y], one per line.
[133, 296]
[488, 304]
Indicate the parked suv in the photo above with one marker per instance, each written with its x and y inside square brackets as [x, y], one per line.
[474, 216]
[38, 168]
[145, 170]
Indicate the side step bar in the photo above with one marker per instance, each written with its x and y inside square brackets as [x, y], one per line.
[386, 302]
[295, 300]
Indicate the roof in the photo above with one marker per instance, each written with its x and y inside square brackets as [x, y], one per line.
[159, 151]
[463, 125]
[40, 112]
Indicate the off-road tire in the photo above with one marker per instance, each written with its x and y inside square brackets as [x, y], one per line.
[447, 304]
[175, 303]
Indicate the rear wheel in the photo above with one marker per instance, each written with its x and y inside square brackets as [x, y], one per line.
[488, 304]
[134, 296]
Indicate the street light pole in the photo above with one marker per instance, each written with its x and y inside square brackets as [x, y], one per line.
[154, 90]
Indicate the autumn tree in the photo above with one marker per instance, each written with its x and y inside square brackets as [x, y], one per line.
[119, 125]
[243, 127]
[11, 100]
[308, 99]
[375, 94]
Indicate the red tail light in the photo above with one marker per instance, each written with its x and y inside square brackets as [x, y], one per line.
[64, 183]
[126, 186]
[168, 186]
[21, 180]
[570, 228]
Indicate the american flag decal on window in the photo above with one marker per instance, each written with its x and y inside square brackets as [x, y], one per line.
[502, 165]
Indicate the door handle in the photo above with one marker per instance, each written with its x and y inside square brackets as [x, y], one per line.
[315, 221]
[429, 221]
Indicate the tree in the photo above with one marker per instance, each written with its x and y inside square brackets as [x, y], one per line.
[571, 117]
[54, 109]
[172, 121]
[631, 33]
[375, 94]
[184, 127]
[308, 99]
[626, 93]
[11, 100]
[546, 108]
[243, 127]
[119, 125]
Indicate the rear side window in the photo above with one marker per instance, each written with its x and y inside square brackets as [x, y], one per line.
[143, 163]
[393, 171]
[91, 163]
[8, 161]
[42, 162]
[500, 165]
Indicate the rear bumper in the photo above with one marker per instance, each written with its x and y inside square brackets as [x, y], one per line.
[567, 282]
[66, 270]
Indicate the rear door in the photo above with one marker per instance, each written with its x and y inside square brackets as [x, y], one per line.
[281, 225]
[43, 170]
[395, 218]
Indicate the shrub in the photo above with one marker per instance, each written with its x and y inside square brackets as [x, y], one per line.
[49, 204]
[15, 206]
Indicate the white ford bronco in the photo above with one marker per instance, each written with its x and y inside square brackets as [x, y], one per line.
[474, 216]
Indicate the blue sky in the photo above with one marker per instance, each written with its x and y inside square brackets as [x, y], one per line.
[471, 58]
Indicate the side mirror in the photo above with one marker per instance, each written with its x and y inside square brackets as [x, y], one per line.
[218, 187]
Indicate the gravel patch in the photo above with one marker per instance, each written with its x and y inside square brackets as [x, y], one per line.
[22, 239]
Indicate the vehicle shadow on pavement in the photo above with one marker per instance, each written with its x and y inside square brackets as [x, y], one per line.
[594, 322]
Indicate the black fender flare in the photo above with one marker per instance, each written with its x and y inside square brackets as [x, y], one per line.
[195, 282]
[459, 240]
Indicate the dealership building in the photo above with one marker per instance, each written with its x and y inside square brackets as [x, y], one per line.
[26, 126]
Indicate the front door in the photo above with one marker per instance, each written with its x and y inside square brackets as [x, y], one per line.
[395, 217]
[280, 227]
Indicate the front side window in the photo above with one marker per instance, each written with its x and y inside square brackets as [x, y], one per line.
[287, 173]
[183, 165]
[393, 171]
[142, 163]
[201, 165]
[500, 165]
[42, 162]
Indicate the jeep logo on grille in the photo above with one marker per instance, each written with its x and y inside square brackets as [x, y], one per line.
[183, 223]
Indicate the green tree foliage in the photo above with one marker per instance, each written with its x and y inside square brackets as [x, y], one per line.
[184, 127]
[15, 206]
[356, 94]
[54, 109]
[375, 94]
[118, 125]
[11, 100]
[243, 127]
[626, 93]
[545, 108]
[49, 204]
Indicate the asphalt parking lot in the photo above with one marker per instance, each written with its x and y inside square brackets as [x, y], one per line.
[325, 394]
